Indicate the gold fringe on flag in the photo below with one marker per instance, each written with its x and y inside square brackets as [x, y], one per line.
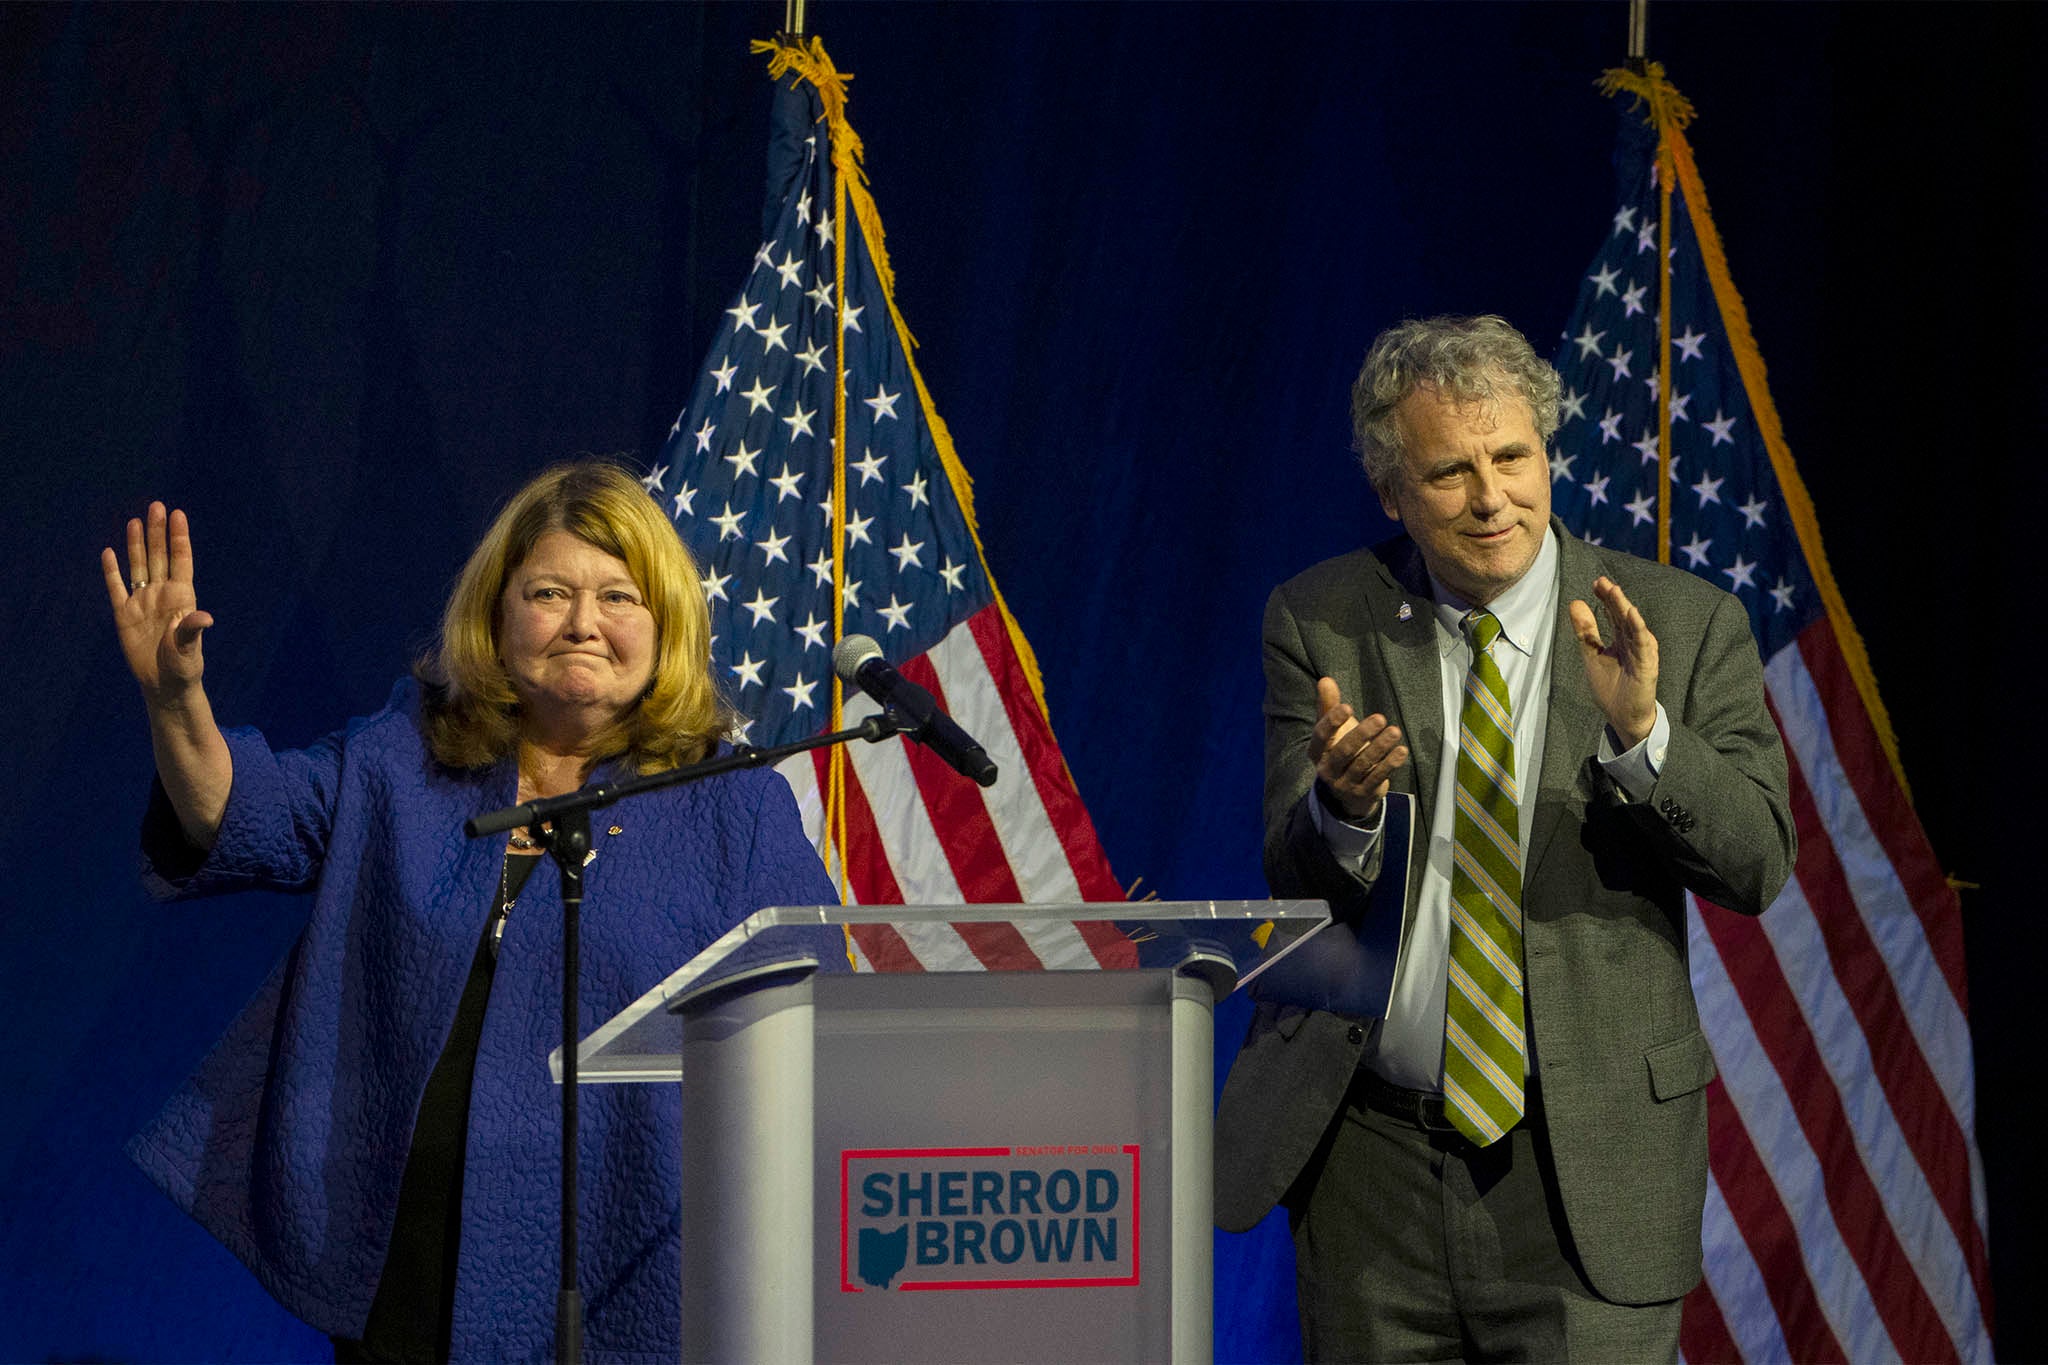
[1669, 112]
[810, 62]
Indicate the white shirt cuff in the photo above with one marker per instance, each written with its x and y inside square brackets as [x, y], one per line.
[1349, 844]
[1636, 771]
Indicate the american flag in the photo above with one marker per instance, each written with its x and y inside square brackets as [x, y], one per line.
[1845, 1211]
[820, 507]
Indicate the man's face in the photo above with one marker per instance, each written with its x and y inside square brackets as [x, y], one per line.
[1472, 489]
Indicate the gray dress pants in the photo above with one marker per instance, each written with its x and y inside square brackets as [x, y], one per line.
[1416, 1246]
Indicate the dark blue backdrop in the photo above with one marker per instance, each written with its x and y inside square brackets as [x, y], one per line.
[335, 277]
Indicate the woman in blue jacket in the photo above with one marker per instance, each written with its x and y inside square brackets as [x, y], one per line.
[376, 1136]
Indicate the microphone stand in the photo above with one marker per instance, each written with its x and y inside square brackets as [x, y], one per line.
[567, 840]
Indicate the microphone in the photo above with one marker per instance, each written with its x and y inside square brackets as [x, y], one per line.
[858, 661]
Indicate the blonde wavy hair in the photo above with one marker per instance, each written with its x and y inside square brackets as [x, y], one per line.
[471, 713]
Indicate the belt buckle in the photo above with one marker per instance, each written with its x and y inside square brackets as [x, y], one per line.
[1421, 1112]
[1428, 1111]
[1436, 1117]
[1417, 1108]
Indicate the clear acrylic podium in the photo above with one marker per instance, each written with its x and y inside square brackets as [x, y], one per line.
[992, 1142]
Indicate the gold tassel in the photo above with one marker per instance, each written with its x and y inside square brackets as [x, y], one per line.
[1669, 112]
[810, 62]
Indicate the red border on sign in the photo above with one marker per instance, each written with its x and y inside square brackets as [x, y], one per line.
[848, 1156]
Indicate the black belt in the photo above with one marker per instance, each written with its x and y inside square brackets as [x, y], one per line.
[1422, 1109]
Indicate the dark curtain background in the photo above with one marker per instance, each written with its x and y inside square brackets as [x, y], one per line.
[335, 278]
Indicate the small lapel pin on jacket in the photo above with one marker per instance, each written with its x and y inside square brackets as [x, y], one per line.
[1404, 613]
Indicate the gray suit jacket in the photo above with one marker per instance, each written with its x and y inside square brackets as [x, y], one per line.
[1620, 1056]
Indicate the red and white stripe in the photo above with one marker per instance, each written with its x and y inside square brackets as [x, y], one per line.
[918, 833]
[1845, 1213]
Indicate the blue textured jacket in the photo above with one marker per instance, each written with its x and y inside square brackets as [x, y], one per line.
[289, 1141]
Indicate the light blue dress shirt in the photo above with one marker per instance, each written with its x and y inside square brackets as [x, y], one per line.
[1407, 1047]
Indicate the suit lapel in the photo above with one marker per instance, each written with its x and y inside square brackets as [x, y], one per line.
[1572, 731]
[1409, 657]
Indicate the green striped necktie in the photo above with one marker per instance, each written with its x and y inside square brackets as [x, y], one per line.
[1483, 1013]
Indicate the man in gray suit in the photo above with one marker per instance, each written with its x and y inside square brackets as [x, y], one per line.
[1533, 1188]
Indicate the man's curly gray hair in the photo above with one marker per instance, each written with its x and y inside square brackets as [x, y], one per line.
[1468, 360]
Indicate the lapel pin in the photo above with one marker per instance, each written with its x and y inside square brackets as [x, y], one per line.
[615, 830]
[1404, 613]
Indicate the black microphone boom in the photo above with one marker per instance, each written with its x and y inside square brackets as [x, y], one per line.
[858, 661]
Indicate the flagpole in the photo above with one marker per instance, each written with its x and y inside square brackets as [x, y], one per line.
[970, 640]
[842, 150]
[1639, 61]
[835, 791]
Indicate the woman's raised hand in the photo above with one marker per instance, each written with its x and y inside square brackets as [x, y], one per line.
[156, 612]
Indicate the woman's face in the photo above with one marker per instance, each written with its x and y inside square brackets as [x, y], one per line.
[575, 635]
